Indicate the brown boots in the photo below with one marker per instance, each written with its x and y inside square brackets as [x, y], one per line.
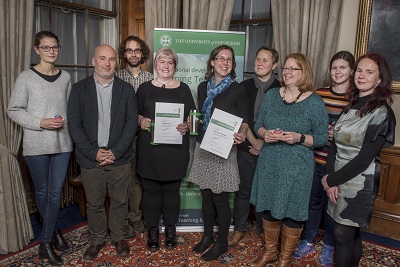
[271, 237]
[289, 240]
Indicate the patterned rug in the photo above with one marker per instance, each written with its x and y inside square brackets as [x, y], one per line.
[241, 255]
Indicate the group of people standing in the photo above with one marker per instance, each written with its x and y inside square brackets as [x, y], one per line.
[297, 153]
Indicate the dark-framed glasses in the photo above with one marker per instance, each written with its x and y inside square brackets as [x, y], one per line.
[229, 60]
[47, 48]
[290, 69]
[136, 51]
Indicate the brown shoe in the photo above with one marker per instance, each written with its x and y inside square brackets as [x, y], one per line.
[122, 248]
[234, 238]
[128, 231]
[92, 251]
[139, 226]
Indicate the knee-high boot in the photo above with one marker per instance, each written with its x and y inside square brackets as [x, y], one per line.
[271, 236]
[289, 241]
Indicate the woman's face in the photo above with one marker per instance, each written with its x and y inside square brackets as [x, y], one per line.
[45, 44]
[340, 71]
[292, 73]
[366, 77]
[222, 64]
[165, 67]
[263, 64]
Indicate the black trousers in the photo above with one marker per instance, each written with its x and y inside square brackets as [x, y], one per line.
[216, 207]
[161, 198]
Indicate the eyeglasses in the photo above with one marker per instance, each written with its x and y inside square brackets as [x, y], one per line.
[290, 69]
[136, 51]
[222, 59]
[47, 48]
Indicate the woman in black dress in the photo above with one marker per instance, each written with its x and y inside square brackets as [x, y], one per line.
[162, 166]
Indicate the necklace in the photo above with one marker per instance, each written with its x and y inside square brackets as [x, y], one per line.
[338, 128]
[163, 84]
[290, 103]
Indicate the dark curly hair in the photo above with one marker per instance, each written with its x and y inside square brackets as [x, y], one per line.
[382, 94]
[143, 46]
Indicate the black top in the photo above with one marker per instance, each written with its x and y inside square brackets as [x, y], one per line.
[162, 162]
[252, 90]
[49, 78]
[233, 100]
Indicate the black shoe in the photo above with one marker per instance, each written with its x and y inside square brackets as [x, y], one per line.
[59, 242]
[152, 239]
[122, 248]
[46, 252]
[204, 243]
[215, 251]
[170, 237]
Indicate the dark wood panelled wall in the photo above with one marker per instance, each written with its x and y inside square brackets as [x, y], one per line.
[132, 20]
[386, 215]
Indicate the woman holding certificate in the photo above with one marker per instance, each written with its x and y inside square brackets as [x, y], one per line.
[162, 166]
[292, 120]
[216, 176]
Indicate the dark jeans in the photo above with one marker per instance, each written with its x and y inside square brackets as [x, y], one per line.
[317, 206]
[161, 197]
[97, 182]
[247, 166]
[216, 208]
[48, 174]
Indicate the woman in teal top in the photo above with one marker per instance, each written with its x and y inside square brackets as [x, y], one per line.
[282, 181]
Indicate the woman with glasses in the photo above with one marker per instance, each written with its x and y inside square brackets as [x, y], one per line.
[292, 120]
[216, 176]
[39, 104]
[162, 166]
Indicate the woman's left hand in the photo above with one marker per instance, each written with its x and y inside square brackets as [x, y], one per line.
[239, 138]
[182, 128]
[333, 193]
[324, 182]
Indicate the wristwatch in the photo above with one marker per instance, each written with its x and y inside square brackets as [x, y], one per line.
[302, 139]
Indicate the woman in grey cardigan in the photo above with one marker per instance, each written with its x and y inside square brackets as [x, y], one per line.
[38, 103]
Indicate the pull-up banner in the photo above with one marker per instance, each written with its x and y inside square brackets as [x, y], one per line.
[193, 48]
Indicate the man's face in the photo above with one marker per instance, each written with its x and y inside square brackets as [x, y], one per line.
[104, 62]
[133, 53]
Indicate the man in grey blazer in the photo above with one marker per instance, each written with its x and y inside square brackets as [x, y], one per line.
[102, 119]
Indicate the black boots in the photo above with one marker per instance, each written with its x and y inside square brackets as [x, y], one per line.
[170, 237]
[152, 239]
[215, 251]
[59, 242]
[46, 252]
[205, 242]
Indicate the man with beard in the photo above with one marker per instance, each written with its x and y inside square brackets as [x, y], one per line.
[133, 51]
[102, 119]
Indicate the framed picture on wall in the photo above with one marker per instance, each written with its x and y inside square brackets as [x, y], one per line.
[378, 30]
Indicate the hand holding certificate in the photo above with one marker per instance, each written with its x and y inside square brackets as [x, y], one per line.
[218, 138]
[168, 116]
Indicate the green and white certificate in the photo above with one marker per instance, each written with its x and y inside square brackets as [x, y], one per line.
[218, 138]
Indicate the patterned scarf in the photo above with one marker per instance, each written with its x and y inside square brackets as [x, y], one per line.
[212, 92]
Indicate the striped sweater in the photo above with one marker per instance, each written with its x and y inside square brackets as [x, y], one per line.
[334, 104]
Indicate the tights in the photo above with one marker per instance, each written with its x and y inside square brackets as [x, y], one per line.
[348, 245]
[216, 208]
[286, 221]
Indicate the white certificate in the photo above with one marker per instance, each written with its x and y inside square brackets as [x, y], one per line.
[218, 138]
[168, 116]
